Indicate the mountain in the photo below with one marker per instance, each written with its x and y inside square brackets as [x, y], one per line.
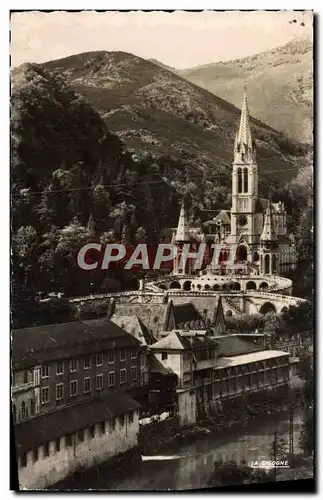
[280, 85]
[158, 113]
[103, 147]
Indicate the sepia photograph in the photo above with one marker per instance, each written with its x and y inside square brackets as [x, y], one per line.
[162, 250]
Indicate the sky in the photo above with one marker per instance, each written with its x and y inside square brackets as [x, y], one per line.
[179, 39]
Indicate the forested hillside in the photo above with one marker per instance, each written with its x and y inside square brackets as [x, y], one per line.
[78, 176]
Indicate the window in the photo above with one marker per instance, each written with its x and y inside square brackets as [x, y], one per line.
[59, 368]
[68, 440]
[111, 357]
[133, 373]
[32, 407]
[35, 454]
[102, 427]
[122, 354]
[92, 431]
[73, 388]
[87, 385]
[87, 362]
[133, 353]
[44, 395]
[80, 436]
[112, 379]
[123, 375]
[239, 172]
[25, 377]
[99, 382]
[164, 355]
[99, 359]
[44, 371]
[46, 450]
[23, 460]
[73, 365]
[245, 180]
[59, 391]
[130, 417]
[58, 444]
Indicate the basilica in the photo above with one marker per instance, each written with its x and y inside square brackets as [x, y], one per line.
[255, 227]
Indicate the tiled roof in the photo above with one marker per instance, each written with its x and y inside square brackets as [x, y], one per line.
[231, 345]
[44, 343]
[151, 315]
[39, 430]
[249, 358]
[134, 326]
[175, 341]
[172, 341]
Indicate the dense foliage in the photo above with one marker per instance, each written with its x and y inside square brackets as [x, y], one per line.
[74, 181]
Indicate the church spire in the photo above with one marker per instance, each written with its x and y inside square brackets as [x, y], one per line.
[268, 232]
[243, 147]
[244, 134]
[182, 233]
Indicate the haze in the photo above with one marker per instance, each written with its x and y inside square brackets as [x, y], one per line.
[180, 39]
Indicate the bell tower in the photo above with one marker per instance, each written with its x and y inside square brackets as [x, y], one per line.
[244, 180]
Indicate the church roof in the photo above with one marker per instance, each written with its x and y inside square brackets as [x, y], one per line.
[223, 216]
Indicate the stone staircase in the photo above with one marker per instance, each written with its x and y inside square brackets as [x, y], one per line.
[232, 305]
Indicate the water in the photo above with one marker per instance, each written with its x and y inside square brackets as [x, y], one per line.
[190, 466]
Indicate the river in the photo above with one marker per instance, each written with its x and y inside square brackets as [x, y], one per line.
[190, 466]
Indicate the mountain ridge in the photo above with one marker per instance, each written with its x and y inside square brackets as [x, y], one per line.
[280, 81]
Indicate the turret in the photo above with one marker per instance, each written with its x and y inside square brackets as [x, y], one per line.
[182, 233]
[268, 233]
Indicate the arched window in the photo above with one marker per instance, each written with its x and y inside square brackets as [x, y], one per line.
[267, 264]
[23, 411]
[245, 180]
[239, 180]
[14, 413]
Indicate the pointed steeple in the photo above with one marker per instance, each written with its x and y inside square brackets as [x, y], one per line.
[218, 318]
[243, 145]
[244, 134]
[182, 233]
[268, 232]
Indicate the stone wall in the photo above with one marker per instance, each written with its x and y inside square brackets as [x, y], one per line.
[59, 464]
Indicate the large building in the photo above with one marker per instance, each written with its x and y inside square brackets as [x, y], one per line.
[74, 397]
[257, 227]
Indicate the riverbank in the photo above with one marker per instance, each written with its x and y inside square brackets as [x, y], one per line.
[234, 416]
[233, 420]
